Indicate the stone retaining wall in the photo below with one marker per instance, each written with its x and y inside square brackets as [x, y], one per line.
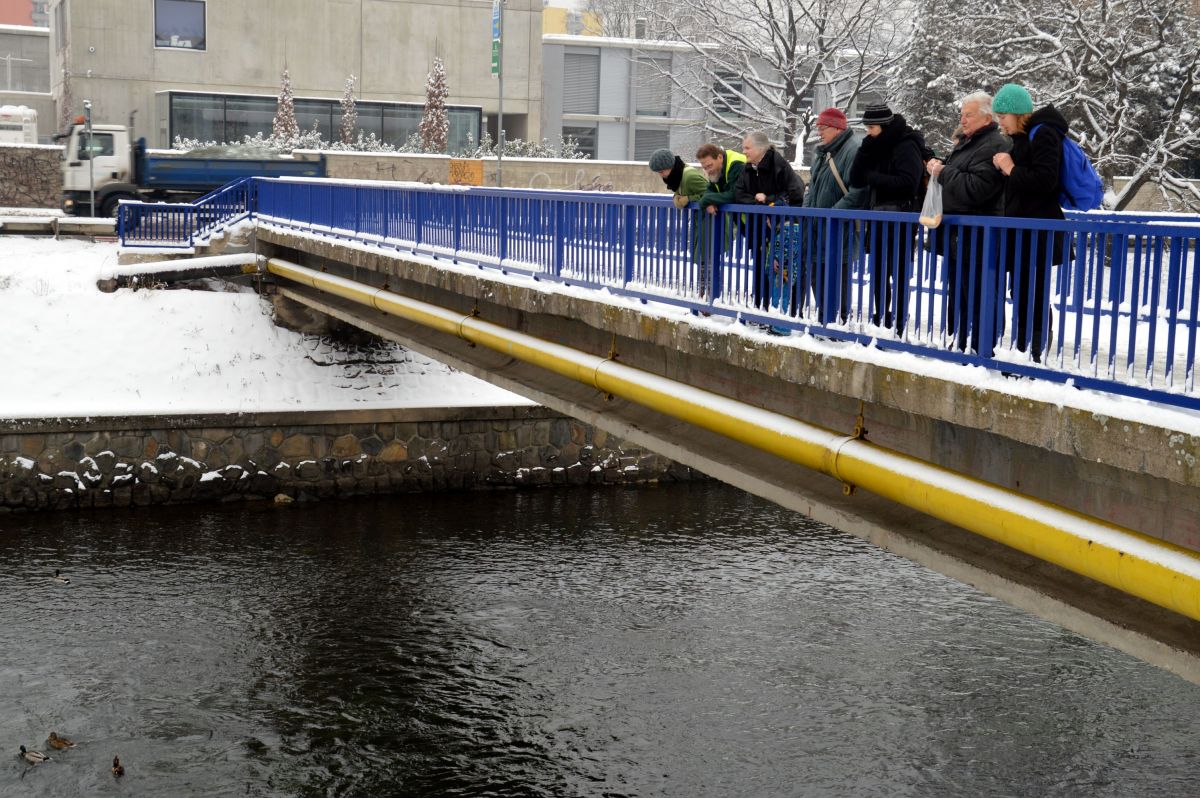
[305, 456]
[30, 176]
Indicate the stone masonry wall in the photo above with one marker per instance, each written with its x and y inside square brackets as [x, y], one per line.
[160, 460]
[30, 176]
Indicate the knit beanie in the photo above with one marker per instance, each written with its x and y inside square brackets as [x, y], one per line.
[832, 117]
[877, 114]
[1012, 99]
[662, 159]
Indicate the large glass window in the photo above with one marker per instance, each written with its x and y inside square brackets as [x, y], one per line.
[313, 112]
[244, 116]
[202, 115]
[400, 122]
[179, 23]
[229, 118]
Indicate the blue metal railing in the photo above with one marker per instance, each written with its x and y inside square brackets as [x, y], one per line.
[180, 225]
[1105, 301]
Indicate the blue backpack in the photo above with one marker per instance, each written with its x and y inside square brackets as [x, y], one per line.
[1080, 187]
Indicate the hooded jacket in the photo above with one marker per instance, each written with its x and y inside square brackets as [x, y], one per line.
[774, 177]
[1031, 188]
[823, 189]
[891, 165]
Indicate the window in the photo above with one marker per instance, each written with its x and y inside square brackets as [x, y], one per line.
[179, 23]
[60, 26]
[653, 87]
[242, 116]
[727, 94]
[585, 139]
[581, 83]
[201, 115]
[647, 140]
[229, 118]
[102, 144]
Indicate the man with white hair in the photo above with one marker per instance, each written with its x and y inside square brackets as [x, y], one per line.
[971, 185]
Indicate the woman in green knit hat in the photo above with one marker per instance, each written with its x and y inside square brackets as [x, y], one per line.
[1032, 183]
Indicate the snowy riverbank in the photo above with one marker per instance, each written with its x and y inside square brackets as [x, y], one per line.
[71, 350]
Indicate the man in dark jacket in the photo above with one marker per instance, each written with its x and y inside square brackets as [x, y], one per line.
[889, 165]
[828, 187]
[972, 185]
[767, 179]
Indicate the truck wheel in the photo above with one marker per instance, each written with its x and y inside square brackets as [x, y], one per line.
[109, 207]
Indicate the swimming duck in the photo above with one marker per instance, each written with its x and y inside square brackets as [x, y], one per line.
[33, 757]
[118, 769]
[58, 577]
[60, 742]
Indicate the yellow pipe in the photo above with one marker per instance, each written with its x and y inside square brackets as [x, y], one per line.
[1137, 564]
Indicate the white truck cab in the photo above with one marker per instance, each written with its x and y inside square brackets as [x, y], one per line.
[102, 166]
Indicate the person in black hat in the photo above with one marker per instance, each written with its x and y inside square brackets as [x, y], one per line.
[889, 165]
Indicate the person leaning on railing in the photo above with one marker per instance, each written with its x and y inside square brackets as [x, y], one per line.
[889, 165]
[687, 184]
[768, 179]
[723, 168]
[971, 185]
[1031, 188]
[828, 187]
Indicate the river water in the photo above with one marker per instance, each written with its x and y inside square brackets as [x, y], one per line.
[686, 640]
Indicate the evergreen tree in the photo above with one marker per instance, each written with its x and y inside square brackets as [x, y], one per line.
[435, 126]
[349, 112]
[284, 126]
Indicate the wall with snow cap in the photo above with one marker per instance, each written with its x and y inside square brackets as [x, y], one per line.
[137, 461]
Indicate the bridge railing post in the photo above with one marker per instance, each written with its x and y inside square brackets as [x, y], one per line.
[627, 243]
[560, 212]
[716, 248]
[457, 200]
[503, 248]
[990, 299]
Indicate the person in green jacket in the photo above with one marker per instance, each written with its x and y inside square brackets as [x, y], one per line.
[829, 187]
[688, 185]
[723, 168]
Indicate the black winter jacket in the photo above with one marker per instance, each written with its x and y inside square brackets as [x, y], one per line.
[891, 165]
[773, 177]
[1031, 189]
[971, 183]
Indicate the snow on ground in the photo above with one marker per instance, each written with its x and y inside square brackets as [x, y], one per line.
[71, 350]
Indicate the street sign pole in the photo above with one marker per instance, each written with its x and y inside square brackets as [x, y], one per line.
[498, 73]
[87, 118]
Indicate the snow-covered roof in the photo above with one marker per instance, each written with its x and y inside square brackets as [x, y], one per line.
[612, 41]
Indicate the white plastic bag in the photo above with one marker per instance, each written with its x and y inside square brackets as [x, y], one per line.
[931, 211]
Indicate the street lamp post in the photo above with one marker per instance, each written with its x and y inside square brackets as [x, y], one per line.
[87, 124]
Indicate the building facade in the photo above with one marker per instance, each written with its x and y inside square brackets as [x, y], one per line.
[614, 98]
[211, 69]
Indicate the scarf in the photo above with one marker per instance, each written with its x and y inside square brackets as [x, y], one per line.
[675, 179]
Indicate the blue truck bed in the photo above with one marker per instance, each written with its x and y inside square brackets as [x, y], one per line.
[201, 175]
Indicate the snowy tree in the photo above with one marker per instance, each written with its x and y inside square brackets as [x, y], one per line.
[623, 18]
[1125, 72]
[769, 63]
[349, 112]
[284, 127]
[435, 125]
